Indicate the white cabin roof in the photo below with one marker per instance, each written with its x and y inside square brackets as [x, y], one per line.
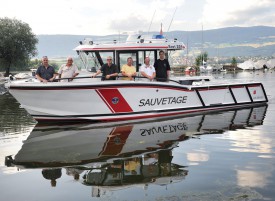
[133, 42]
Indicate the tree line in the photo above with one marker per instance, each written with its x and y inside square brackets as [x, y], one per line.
[17, 44]
[203, 57]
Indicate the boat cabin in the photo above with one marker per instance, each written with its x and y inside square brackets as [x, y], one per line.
[137, 46]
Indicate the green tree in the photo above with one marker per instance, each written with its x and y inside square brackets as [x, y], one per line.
[234, 62]
[34, 63]
[202, 57]
[17, 43]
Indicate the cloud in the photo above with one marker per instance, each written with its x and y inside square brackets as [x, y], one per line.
[145, 15]
[218, 14]
[105, 17]
[131, 23]
[252, 16]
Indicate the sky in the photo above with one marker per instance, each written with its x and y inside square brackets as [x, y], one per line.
[105, 17]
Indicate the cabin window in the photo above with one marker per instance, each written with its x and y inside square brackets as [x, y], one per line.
[143, 54]
[104, 56]
[123, 58]
[89, 60]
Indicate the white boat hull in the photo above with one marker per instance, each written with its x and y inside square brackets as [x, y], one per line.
[127, 100]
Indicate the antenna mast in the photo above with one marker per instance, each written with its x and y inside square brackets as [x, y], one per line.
[172, 19]
[202, 54]
[151, 22]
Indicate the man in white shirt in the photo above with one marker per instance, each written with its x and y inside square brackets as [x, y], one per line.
[68, 70]
[147, 70]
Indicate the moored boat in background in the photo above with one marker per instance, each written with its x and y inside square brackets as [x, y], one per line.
[190, 71]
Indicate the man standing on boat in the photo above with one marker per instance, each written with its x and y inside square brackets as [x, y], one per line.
[162, 67]
[147, 70]
[109, 70]
[68, 70]
[128, 70]
[45, 72]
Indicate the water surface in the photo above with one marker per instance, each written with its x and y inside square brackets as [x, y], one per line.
[219, 156]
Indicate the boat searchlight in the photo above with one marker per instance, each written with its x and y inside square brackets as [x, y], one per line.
[87, 41]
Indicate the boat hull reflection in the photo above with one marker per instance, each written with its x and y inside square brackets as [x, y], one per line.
[116, 157]
[90, 143]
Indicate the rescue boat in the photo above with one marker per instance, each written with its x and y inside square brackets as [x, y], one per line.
[90, 99]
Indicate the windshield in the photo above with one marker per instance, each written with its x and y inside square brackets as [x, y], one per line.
[92, 61]
[89, 61]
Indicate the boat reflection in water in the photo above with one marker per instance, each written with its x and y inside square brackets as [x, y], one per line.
[112, 157]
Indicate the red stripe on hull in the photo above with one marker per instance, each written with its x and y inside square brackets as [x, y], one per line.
[114, 100]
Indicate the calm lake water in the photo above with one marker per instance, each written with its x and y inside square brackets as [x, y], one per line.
[226, 155]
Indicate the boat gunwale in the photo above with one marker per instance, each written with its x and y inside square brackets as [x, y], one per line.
[124, 84]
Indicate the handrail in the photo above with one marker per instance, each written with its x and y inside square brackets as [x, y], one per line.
[119, 76]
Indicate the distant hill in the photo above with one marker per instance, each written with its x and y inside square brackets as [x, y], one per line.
[231, 41]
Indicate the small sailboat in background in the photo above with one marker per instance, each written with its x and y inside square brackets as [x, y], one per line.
[205, 68]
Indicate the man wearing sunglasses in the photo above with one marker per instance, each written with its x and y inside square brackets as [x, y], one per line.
[109, 70]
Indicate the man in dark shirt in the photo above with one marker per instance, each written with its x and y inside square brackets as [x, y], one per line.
[45, 72]
[162, 68]
[109, 70]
